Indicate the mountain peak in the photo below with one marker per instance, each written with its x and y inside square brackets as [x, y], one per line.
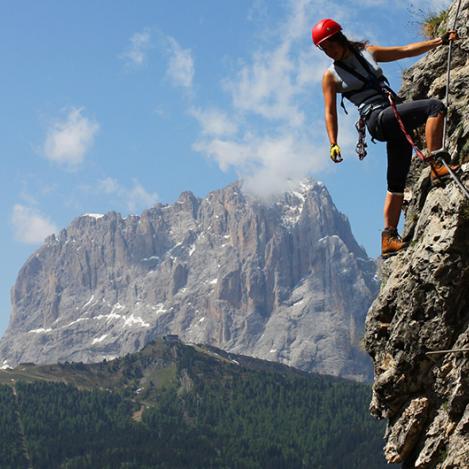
[282, 280]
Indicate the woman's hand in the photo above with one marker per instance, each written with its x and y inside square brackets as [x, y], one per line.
[336, 156]
[448, 37]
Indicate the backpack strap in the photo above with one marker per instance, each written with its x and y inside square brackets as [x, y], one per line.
[370, 81]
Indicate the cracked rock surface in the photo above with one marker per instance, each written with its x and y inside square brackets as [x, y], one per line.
[423, 304]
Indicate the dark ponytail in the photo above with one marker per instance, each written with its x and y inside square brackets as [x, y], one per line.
[342, 39]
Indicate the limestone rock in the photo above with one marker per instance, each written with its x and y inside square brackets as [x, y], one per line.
[405, 431]
[423, 304]
[282, 280]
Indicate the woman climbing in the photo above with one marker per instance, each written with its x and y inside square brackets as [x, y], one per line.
[356, 74]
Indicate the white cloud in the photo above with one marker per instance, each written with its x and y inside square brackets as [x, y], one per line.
[214, 122]
[267, 164]
[266, 87]
[136, 52]
[108, 185]
[181, 64]
[278, 76]
[30, 225]
[258, 10]
[273, 90]
[68, 140]
[134, 198]
[139, 197]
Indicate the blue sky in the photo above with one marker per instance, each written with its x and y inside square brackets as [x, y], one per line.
[115, 105]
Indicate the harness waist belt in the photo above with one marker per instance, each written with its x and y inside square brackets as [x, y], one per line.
[366, 110]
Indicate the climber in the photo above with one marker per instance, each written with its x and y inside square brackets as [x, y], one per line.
[356, 74]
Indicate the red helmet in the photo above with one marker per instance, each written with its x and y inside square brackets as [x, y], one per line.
[324, 29]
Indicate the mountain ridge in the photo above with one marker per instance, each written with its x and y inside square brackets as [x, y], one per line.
[282, 280]
[177, 405]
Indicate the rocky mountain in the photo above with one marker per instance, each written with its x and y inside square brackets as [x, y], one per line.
[417, 330]
[284, 280]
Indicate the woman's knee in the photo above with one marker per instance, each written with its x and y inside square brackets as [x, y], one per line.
[396, 178]
[436, 107]
[396, 187]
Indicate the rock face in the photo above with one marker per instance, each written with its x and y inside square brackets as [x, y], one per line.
[284, 281]
[423, 305]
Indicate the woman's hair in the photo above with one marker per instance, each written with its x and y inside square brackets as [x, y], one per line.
[342, 39]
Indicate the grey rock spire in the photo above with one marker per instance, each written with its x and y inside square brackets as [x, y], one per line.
[282, 280]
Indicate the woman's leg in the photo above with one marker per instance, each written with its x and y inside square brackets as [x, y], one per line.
[434, 132]
[399, 154]
[399, 158]
[430, 112]
[414, 114]
[392, 209]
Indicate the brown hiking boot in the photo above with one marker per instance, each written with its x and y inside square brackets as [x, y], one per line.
[391, 242]
[439, 172]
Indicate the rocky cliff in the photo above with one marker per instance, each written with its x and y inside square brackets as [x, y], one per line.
[284, 281]
[423, 305]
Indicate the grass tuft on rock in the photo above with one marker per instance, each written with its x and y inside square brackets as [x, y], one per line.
[434, 24]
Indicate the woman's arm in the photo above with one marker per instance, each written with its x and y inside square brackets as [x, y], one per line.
[330, 106]
[329, 91]
[388, 54]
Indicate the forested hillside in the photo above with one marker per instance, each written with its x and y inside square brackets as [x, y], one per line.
[176, 406]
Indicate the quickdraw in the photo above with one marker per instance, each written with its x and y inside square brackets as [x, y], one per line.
[361, 143]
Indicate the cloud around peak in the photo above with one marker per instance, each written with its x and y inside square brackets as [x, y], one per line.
[273, 139]
[134, 198]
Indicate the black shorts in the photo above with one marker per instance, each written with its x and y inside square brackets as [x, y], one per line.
[383, 126]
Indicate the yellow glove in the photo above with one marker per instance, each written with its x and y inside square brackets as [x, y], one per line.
[336, 157]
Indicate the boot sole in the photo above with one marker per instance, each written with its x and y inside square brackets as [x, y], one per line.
[390, 254]
[394, 253]
[441, 180]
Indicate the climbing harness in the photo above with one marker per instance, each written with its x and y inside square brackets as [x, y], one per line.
[371, 81]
